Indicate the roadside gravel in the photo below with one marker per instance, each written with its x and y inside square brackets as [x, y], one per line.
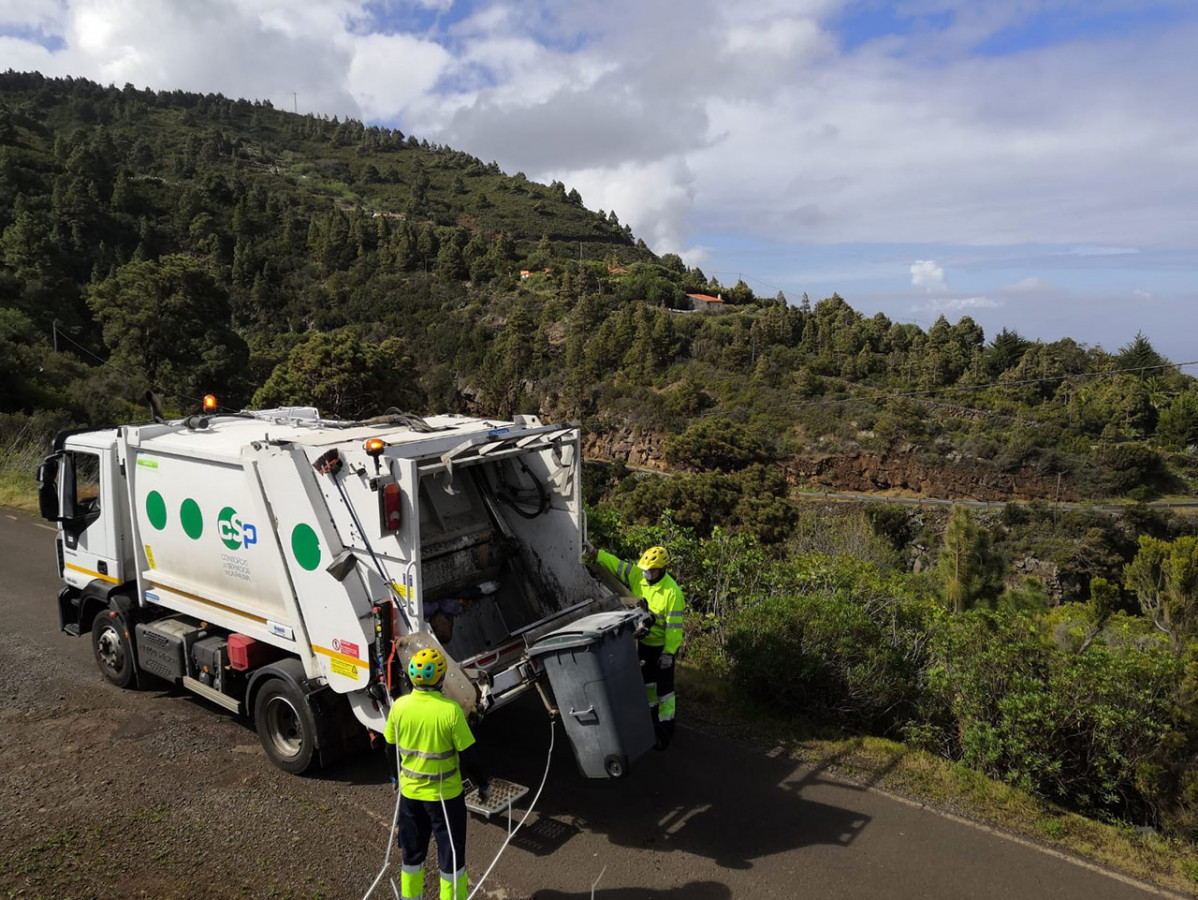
[153, 794]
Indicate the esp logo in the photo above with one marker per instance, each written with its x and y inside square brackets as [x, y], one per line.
[233, 532]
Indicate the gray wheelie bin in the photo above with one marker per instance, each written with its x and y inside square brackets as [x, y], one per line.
[595, 677]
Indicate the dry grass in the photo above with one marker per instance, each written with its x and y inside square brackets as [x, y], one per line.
[19, 459]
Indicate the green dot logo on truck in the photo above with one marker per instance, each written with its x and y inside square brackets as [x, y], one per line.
[233, 532]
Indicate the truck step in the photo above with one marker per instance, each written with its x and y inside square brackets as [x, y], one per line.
[503, 795]
[230, 703]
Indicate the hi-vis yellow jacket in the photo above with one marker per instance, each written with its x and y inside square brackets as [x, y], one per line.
[664, 598]
[430, 730]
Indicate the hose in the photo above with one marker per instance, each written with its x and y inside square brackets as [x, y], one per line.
[542, 495]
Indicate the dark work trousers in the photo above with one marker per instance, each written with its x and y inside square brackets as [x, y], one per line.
[659, 683]
[420, 818]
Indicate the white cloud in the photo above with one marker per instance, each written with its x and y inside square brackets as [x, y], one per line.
[1141, 295]
[36, 14]
[657, 196]
[390, 73]
[1102, 251]
[695, 256]
[26, 56]
[956, 304]
[1031, 285]
[691, 116]
[925, 273]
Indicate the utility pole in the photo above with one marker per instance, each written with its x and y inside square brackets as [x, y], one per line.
[295, 102]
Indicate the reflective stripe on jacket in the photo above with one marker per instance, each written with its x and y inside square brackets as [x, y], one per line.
[430, 730]
[664, 598]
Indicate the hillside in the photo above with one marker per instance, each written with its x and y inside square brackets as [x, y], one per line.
[202, 244]
[195, 244]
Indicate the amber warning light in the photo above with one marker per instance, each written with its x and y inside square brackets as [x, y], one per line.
[390, 503]
[375, 446]
[209, 403]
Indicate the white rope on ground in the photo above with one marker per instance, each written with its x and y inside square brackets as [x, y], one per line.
[511, 833]
[390, 832]
[531, 806]
[595, 883]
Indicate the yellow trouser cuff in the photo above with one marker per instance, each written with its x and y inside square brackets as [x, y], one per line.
[455, 889]
[665, 712]
[411, 885]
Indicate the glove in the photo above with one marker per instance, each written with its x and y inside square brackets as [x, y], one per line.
[666, 661]
[589, 554]
[484, 791]
[394, 783]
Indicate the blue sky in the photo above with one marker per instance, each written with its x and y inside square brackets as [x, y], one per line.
[1029, 163]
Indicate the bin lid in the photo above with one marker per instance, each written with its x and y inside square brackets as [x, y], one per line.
[587, 630]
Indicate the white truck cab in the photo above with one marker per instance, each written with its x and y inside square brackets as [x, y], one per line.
[286, 567]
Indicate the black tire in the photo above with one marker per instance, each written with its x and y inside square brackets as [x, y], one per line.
[113, 650]
[286, 727]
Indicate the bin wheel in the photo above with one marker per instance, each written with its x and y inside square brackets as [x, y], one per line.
[286, 727]
[615, 767]
[113, 650]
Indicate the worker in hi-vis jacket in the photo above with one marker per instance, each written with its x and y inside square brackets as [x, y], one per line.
[649, 580]
[432, 735]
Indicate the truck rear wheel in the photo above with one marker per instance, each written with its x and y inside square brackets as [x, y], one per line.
[286, 727]
[113, 650]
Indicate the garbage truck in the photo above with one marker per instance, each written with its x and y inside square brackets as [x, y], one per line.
[285, 567]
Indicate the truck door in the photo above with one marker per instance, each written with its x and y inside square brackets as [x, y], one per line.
[90, 517]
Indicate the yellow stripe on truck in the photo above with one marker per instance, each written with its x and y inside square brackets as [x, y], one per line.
[84, 571]
[345, 658]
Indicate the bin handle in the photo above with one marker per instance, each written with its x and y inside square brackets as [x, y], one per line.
[589, 711]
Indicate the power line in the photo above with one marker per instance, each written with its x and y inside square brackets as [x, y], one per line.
[141, 371]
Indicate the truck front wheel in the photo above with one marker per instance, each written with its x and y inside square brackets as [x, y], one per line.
[286, 727]
[113, 651]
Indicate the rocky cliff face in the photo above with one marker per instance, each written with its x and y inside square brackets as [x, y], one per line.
[629, 445]
[953, 480]
[862, 472]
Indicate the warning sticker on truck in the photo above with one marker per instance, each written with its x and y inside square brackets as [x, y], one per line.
[341, 667]
[150, 556]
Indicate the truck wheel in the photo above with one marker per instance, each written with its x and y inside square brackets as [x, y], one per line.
[286, 727]
[113, 652]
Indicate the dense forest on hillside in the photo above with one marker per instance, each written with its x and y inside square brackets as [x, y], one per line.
[198, 244]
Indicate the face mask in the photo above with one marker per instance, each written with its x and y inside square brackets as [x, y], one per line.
[651, 575]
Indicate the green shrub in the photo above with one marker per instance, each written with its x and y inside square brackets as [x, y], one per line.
[1082, 729]
[842, 645]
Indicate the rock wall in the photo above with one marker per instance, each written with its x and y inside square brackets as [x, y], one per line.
[957, 480]
[629, 445]
[863, 473]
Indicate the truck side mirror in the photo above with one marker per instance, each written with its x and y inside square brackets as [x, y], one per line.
[47, 490]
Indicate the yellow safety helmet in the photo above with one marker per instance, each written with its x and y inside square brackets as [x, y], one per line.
[427, 667]
[654, 558]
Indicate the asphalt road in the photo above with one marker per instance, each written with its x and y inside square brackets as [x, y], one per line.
[179, 801]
